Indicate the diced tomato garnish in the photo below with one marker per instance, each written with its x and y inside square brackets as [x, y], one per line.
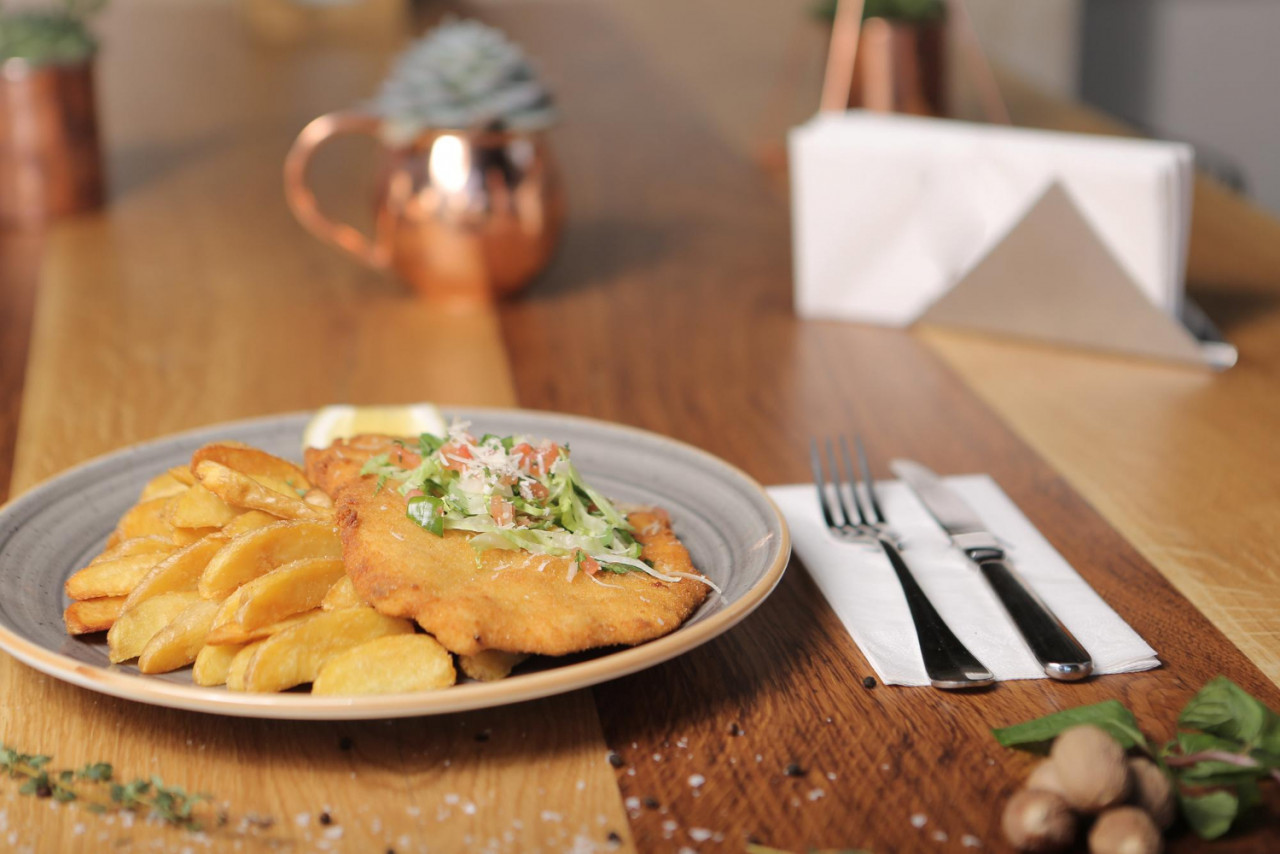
[535, 460]
[533, 490]
[453, 454]
[501, 510]
[414, 493]
[589, 565]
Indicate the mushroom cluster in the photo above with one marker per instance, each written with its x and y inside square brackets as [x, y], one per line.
[1088, 776]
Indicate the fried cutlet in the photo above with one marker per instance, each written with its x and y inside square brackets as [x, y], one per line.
[507, 600]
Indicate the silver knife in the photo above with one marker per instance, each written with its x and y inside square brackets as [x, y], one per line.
[1058, 652]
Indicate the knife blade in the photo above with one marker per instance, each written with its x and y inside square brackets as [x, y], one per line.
[1057, 650]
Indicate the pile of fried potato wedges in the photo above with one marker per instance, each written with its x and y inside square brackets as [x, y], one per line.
[233, 566]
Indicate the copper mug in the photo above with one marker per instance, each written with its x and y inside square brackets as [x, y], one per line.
[461, 216]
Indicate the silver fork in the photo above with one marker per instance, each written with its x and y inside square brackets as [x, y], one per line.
[948, 662]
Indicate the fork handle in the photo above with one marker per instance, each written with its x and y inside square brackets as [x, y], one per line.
[947, 661]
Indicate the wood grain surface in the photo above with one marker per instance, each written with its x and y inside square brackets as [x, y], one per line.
[194, 299]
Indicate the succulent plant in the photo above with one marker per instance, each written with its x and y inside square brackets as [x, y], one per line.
[464, 75]
[49, 35]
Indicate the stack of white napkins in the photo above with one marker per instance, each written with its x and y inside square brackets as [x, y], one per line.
[864, 591]
[891, 211]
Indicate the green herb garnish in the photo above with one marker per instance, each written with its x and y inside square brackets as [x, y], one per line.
[96, 789]
[1229, 744]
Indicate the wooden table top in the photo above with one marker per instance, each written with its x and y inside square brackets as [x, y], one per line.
[194, 298]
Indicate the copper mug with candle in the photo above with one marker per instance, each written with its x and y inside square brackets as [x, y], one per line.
[461, 215]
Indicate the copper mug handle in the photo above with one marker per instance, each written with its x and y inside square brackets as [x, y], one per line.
[302, 201]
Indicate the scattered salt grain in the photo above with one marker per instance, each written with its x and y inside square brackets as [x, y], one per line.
[699, 834]
[632, 803]
[918, 820]
[939, 836]
[334, 832]
[970, 841]
[815, 794]
[697, 780]
[548, 815]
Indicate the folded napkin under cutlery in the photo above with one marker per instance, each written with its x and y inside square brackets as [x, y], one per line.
[866, 596]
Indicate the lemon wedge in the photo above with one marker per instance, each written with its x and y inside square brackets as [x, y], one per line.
[344, 421]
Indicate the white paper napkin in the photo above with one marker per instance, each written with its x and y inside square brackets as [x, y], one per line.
[864, 592]
[890, 211]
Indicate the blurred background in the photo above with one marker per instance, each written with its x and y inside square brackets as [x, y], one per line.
[1192, 70]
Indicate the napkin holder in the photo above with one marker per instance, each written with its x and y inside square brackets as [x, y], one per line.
[1052, 278]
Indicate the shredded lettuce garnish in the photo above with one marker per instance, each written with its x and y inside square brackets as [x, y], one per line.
[513, 492]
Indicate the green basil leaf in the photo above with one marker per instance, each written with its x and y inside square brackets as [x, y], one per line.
[1224, 709]
[1210, 815]
[1110, 715]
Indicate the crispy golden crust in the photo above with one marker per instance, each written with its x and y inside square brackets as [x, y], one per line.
[331, 467]
[513, 601]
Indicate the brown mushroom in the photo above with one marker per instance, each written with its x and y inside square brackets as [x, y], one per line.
[1044, 778]
[1038, 822]
[1091, 767]
[1125, 830]
[1152, 791]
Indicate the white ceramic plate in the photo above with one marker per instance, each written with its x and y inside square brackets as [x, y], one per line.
[734, 533]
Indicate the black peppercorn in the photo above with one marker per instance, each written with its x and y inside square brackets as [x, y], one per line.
[651, 803]
[614, 838]
[868, 682]
[794, 770]
[325, 818]
[615, 760]
[734, 729]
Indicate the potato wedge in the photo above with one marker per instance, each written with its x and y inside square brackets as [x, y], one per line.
[247, 521]
[240, 664]
[241, 490]
[291, 589]
[136, 546]
[261, 550]
[92, 615]
[179, 571]
[253, 462]
[342, 595]
[183, 537]
[318, 498]
[177, 644]
[394, 664]
[147, 519]
[183, 475]
[197, 507]
[295, 655]
[111, 577]
[230, 634]
[213, 662]
[161, 486]
[490, 665]
[137, 625]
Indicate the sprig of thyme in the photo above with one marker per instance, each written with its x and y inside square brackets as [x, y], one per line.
[95, 786]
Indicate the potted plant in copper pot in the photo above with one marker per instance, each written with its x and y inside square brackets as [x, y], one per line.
[49, 157]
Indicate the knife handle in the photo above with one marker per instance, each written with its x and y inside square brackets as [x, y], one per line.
[1059, 653]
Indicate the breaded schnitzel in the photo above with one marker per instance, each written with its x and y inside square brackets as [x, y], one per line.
[499, 598]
